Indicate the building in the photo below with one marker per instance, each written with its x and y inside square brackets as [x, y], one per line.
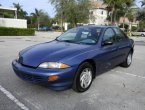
[99, 13]
[11, 21]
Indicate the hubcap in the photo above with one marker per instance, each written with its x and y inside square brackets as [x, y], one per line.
[129, 59]
[86, 78]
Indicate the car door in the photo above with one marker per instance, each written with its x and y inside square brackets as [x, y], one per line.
[123, 43]
[108, 52]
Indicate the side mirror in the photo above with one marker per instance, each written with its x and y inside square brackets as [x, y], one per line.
[105, 43]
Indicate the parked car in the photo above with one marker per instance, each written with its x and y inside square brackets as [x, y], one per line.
[45, 28]
[139, 33]
[75, 58]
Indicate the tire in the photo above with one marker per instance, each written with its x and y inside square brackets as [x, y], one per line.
[128, 60]
[83, 78]
[142, 35]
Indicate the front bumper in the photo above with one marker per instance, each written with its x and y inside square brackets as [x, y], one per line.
[40, 76]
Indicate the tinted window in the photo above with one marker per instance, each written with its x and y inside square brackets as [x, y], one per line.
[119, 34]
[109, 35]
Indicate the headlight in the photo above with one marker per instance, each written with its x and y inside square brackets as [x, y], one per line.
[53, 65]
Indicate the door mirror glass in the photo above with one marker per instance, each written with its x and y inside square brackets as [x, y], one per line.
[105, 43]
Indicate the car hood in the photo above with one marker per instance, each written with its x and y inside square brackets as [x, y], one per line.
[50, 52]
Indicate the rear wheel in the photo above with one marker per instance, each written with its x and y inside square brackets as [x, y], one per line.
[84, 77]
[142, 35]
[128, 60]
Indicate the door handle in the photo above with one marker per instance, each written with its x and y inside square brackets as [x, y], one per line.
[114, 49]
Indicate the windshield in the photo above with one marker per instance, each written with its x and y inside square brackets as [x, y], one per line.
[81, 35]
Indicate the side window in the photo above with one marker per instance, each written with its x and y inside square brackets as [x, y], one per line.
[109, 35]
[119, 34]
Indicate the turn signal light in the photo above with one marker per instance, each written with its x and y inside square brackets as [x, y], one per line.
[52, 78]
[62, 66]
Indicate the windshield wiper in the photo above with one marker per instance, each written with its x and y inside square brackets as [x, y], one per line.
[70, 41]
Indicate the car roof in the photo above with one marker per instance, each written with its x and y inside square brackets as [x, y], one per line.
[95, 26]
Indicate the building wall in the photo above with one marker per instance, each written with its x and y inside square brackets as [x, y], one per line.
[15, 23]
[100, 16]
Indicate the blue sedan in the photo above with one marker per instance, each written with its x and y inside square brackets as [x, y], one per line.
[75, 58]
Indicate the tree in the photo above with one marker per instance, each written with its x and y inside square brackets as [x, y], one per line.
[72, 11]
[60, 9]
[37, 14]
[78, 12]
[141, 15]
[20, 12]
[115, 6]
[128, 12]
[142, 3]
[42, 18]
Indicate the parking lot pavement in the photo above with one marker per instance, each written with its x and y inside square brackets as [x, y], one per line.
[6, 103]
[117, 89]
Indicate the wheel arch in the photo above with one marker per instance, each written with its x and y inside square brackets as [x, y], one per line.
[132, 50]
[92, 62]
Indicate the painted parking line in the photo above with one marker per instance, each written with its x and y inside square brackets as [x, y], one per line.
[13, 98]
[130, 74]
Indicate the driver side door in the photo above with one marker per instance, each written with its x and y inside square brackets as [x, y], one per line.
[108, 56]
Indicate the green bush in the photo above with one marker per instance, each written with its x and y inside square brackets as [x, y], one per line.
[126, 26]
[16, 32]
[134, 28]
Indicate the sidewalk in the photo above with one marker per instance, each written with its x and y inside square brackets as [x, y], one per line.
[137, 39]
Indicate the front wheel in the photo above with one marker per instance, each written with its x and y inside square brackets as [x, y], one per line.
[128, 60]
[84, 77]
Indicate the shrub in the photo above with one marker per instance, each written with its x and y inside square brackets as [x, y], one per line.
[16, 32]
[126, 26]
[134, 28]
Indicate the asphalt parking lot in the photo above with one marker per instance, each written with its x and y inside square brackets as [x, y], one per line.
[117, 89]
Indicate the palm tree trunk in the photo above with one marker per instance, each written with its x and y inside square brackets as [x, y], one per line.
[115, 12]
[112, 13]
[111, 17]
[38, 23]
[124, 20]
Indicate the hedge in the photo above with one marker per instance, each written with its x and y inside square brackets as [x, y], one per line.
[16, 32]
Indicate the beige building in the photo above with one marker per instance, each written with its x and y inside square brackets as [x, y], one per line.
[99, 13]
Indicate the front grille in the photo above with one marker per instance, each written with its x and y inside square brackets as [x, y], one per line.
[29, 77]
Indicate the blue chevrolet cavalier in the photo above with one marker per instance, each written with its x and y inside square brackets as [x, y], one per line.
[74, 58]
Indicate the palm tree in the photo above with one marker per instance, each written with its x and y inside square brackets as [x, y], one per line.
[116, 5]
[18, 6]
[142, 3]
[20, 12]
[59, 5]
[37, 14]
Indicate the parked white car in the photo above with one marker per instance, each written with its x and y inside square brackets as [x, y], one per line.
[138, 33]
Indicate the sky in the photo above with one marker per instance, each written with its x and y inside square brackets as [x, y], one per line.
[30, 5]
